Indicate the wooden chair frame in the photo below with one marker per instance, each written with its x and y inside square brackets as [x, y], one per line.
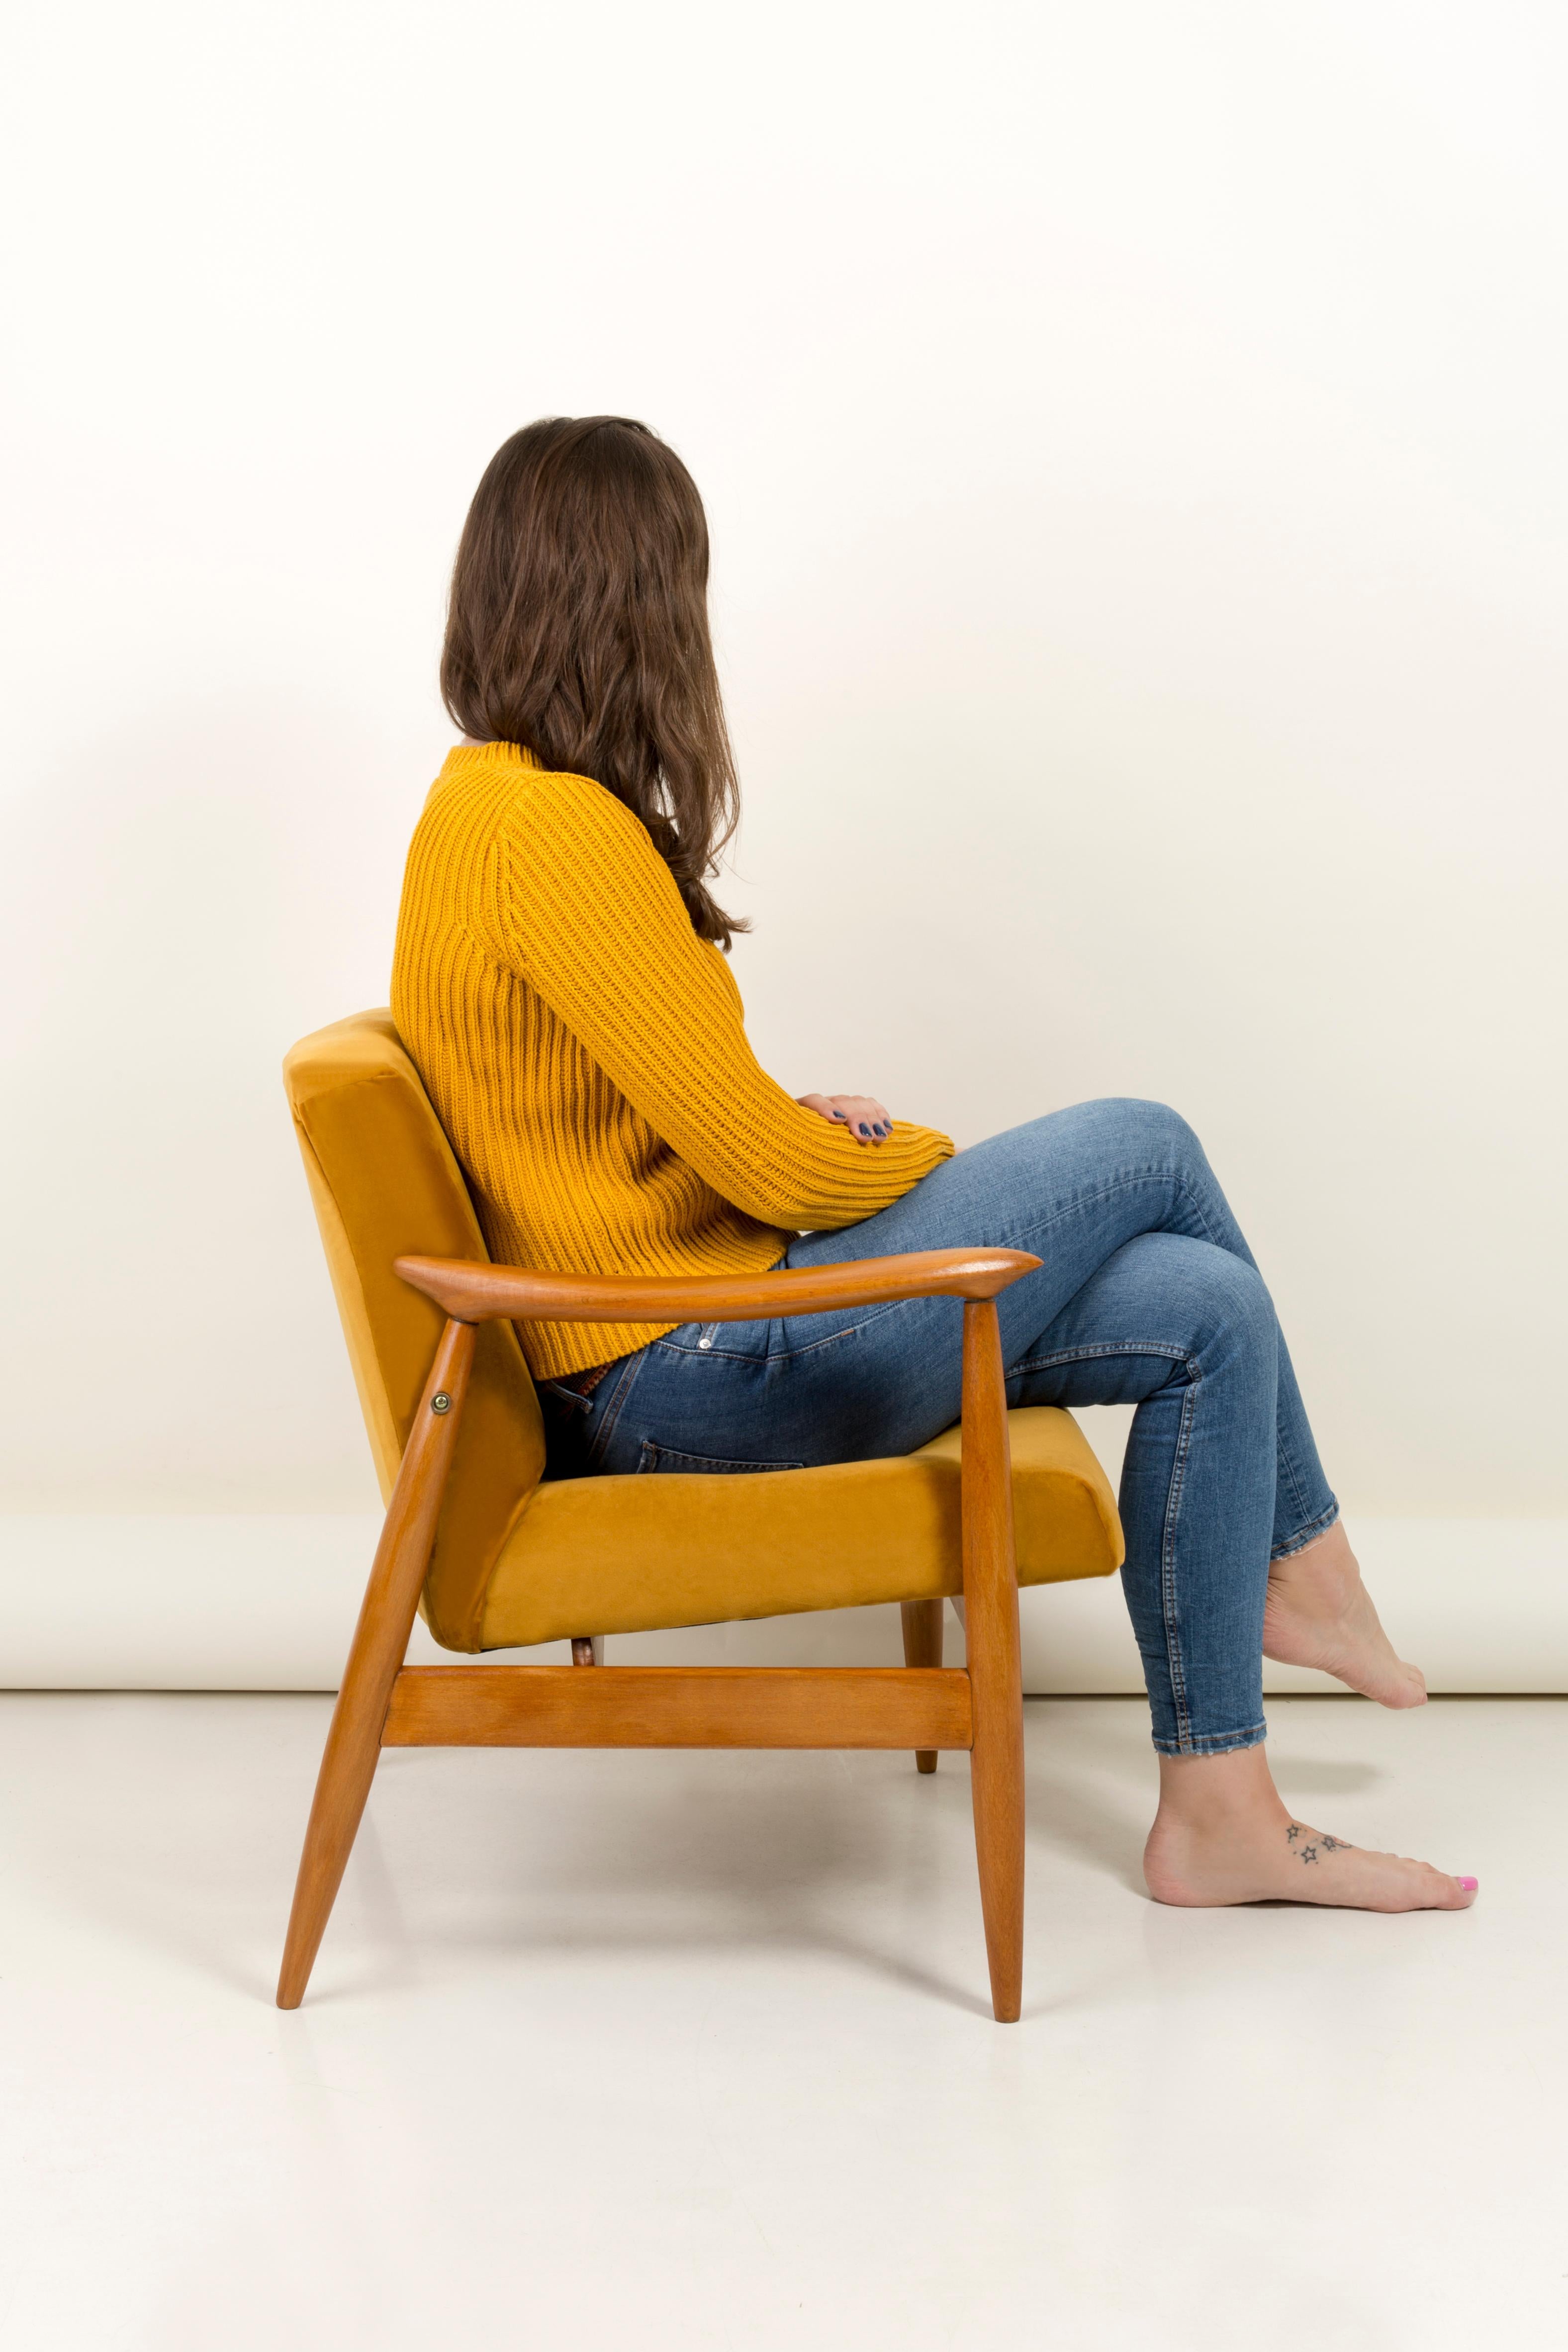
[383, 1702]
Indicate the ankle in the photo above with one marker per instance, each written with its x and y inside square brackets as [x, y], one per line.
[1328, 1555]
[1216, 1795]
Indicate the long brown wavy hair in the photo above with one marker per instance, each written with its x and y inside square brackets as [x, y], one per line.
[578, 628]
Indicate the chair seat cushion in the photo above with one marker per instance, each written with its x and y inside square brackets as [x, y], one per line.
[627, 1555]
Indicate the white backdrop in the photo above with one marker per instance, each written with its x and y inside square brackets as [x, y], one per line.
[1134, 442]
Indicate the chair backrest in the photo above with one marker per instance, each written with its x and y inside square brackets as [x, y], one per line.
[384, 1181]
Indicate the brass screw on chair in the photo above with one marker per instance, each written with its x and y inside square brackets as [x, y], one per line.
[440, 1401]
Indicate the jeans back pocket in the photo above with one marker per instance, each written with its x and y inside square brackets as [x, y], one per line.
[665, 1457]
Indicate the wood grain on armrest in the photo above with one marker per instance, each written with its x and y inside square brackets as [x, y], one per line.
[472, 1292]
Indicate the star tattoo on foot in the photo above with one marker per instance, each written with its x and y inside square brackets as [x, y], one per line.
[1321, 1844]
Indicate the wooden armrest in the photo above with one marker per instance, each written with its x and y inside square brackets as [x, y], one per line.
[472, 1292]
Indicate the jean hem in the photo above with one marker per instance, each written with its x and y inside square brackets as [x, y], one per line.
[1310, 1533]
[1212, 1743]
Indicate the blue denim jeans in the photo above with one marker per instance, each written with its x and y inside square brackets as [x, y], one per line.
[1147, 1294]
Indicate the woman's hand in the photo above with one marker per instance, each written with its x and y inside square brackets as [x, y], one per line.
[866, 1120]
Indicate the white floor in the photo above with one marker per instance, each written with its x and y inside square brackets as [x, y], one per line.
[694, 2050]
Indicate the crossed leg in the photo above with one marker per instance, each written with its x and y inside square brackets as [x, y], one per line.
[1187, 1332]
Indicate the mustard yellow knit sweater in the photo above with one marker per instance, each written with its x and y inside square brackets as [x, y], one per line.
[586, 1053]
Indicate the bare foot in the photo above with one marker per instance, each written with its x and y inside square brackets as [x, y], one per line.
[1294, 1863]
[1222, 1835]
[1319, 1613]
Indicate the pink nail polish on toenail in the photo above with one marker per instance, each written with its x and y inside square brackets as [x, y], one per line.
[1469, 1885]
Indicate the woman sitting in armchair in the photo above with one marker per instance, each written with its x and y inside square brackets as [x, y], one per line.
[562, 983]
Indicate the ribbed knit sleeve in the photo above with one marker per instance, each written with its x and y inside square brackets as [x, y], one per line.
[588, 914]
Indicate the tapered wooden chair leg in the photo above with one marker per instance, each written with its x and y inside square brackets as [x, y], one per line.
[997, 1773]
[380, 1640]
[995, 1680]
[923, 1647]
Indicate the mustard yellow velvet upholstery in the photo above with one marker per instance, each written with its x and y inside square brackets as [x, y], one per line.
[710, 1549]
[385, 1184]
[516, 1562]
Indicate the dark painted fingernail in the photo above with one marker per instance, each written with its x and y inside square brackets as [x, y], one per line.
[839, 1114]
[883, 1131]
